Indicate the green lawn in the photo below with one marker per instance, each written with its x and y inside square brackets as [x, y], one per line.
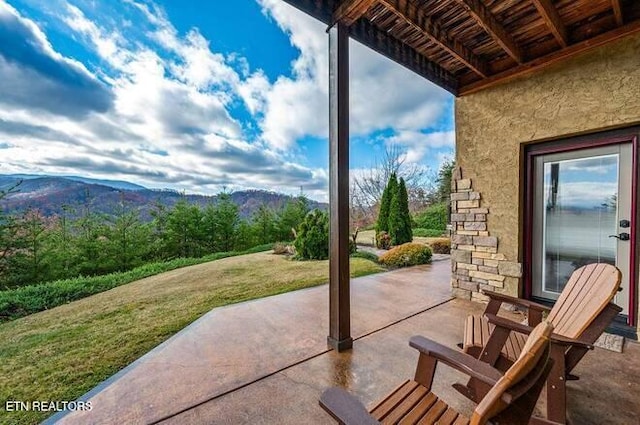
[367, 237]
[61, 353]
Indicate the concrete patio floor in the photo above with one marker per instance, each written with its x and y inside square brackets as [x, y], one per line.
[266, 361]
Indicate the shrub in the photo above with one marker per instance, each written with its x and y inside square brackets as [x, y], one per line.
[383, 240]
[353, 247]
[435, 217]
[408, 254]
[366, 255]
[427, 233]
[441, 246]
[312, 240]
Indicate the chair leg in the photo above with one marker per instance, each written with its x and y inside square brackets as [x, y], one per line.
[557, 387]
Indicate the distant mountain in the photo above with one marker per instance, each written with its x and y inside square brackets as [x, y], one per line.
[116, 184]
[51, 195]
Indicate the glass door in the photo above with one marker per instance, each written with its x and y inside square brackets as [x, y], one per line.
[582, 212]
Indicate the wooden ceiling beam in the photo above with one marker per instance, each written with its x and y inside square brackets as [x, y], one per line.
[551, 17]
[350, 11]
[617, 11]
[552, 58]
[495, 29]
[416, 18]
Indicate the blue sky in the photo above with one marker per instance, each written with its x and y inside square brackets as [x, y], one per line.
[197, 96]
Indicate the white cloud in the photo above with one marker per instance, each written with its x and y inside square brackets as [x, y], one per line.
[383, 94]
[169, 123]
[590, 194]
[418, 144]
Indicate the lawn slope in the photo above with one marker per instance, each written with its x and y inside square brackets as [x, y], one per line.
[61, 353]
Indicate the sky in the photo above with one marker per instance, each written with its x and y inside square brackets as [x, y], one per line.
[200, 96]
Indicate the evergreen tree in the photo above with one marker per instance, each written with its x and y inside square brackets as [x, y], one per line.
[245, 236]
[90, 242]
[443, 189]
[62, 246]
[382, 225]
[399, 218]
[227, 219]
[159, 231]
[291, 217]
[403, 200]
[184, 230]
[128, 238]
[312, 242]
[264, 224]
[34, 232]
[8, 235]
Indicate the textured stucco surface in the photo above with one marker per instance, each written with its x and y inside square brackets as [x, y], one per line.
[595, 91]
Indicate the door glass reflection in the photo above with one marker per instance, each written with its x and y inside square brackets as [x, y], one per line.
[580, 212]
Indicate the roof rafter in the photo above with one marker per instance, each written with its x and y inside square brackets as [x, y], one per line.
[350, 11]
[617, 12]
[552, 58]
[553, 21]
[495, 29]
[415, 17]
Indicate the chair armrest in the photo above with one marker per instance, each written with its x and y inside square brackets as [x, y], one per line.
[345, 408]
[508, 324]
[525, 329]
[518, 301]
[456, 359]
[563, 340]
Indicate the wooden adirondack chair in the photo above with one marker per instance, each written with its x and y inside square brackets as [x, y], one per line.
[582, 312]
[510, 400]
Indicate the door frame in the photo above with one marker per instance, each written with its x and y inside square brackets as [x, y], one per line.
[573, 144]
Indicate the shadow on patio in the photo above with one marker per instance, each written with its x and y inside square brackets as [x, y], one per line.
[266, 361]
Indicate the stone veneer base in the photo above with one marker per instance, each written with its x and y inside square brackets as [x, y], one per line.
[476, 263]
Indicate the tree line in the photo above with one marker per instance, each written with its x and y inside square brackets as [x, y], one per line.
[81, 242]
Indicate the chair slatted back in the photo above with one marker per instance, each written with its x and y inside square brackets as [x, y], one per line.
[588, 291]
[525, 372]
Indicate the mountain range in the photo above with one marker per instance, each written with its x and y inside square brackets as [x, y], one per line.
[52, 195]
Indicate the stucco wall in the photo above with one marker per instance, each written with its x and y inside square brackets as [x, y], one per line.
[596, 91]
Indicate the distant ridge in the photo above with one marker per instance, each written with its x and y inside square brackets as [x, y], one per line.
[116, 184]
[53, 195]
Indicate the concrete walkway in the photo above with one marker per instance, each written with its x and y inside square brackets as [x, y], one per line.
[233, 346]
[266, 362]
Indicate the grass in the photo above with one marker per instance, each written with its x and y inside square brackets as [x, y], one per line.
[20, 302]
[367, 237]
[60, 354]
[428, 233]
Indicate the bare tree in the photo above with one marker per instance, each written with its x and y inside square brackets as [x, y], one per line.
[366, 189]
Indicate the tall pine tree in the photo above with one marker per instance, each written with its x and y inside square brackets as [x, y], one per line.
[403, 195]
[382, 225]
[399, 218]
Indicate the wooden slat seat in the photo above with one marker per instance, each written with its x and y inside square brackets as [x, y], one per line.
[477, 331]
[510, 399]
[582, 312]
[411, 403]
